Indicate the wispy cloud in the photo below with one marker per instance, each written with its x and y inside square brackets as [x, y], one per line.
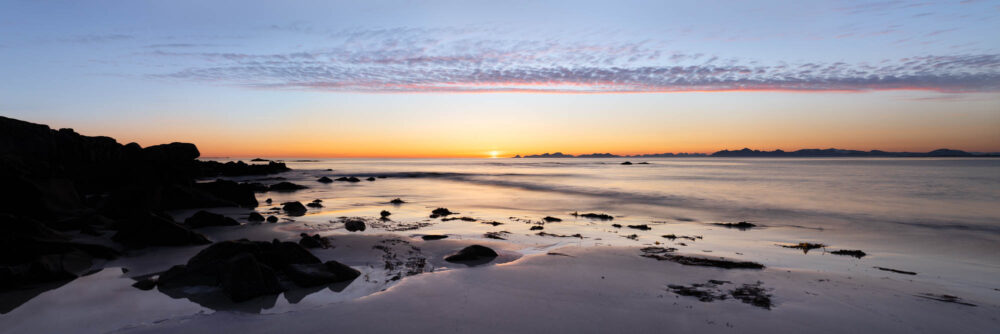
[408, 60]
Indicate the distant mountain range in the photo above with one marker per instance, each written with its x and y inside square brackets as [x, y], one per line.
[804, 153]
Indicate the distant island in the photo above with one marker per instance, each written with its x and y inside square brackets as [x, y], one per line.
[803, 153]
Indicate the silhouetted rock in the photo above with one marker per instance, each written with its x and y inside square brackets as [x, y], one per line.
[155, 230]
[239, 168]
[643, 227]
[354, 225]
[272, 219]
[255, 217]
[242, 194]
[324, 180]
[286, 186]
[205, 218]
[384, 214]
[441, 212]
[313, 241]
[315, 205]
[472, 253]
[434, 237]
[294, 208]
[397, 201]
[626, 163]
[550, 219]
[348, 179]
[370, 178]
[536, 228]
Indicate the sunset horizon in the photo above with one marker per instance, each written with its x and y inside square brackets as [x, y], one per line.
[543, 166]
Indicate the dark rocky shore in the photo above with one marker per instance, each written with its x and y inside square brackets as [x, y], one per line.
[62, 185]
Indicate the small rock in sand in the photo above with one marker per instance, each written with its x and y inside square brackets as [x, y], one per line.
[255, 217]
[472, 253]
[294, 208]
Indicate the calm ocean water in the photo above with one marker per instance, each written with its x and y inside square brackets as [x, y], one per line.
[940, 217]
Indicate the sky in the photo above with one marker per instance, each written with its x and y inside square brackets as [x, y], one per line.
[467, 78]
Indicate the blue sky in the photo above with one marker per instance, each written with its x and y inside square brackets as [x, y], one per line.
[246, 77]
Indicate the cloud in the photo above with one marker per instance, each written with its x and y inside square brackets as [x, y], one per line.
[97, 38]
[465, 60]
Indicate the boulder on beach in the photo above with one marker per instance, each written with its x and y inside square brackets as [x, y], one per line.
[294, 208]
[255, 217]
[155, 230]
[354, 225]
[313, 241]
[473, 253]
[205, 218]
[246, 269]
[286, 186]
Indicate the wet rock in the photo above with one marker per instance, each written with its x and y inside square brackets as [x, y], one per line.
[536, 228]
[550, 219]
[145, 284]
[642, 227]
[397, 201]
[255, 217]
[294, 208]
[440, 212]
[272, 219]
[268, 201]
[472, 253]
[496, 235]
[239, 168]
[354, 225]
[314, 241]
[324, 180]
[385, 214]
[241, 194]
[243, 278]
[616, 225]
[434, 237]
[315, 205]
[546, 234]
[204, 218]
[626, 163]
[370, 179]
[155, 230]
[259, 160]
[285, 187]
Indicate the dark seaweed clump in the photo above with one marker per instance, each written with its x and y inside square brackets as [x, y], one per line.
[804, 246]
[591, 215]
[742, 226]
[848, 252]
